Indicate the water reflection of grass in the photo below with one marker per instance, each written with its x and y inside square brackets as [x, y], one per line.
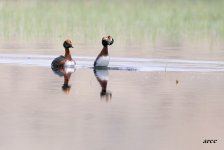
[142, 20]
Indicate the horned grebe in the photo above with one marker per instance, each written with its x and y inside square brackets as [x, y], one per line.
[65, 61]
[103, 58]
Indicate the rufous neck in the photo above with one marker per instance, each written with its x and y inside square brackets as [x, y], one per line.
[105, 50]
[68, 54]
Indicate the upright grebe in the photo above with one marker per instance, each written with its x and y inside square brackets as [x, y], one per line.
[103, 58]
[66, 60]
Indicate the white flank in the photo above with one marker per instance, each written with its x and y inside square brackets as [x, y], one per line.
[103, 61]
[69, 64]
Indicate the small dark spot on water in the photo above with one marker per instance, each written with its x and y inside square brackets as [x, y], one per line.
[177, 82]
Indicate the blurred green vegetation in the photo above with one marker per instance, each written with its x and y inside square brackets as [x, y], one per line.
[127, 20]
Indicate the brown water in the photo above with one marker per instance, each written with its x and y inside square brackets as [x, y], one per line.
[142, 110]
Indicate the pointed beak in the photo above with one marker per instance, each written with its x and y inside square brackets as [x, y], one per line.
[72, 46]
[112, 41]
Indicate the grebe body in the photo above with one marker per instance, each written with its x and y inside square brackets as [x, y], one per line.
[102, 61]
[66, 60]
[103, 58]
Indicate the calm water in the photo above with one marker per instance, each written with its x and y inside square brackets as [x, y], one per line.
[142, 109]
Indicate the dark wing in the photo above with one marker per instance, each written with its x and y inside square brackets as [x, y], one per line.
[95, 61]
[56, 63]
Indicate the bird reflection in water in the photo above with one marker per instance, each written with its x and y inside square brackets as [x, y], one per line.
[102, 78]
[66, 72]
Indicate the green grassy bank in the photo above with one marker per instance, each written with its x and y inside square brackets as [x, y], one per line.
[128, 21]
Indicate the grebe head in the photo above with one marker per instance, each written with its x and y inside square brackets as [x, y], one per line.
[107, 40]
[67, 44]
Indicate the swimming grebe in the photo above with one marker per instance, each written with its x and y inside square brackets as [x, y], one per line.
[103, 58]
[64, 61]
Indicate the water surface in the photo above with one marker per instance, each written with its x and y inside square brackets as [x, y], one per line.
[146, 110]
[147, 99]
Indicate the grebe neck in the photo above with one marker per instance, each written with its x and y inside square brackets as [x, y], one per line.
[68, 54]
[105, 50]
